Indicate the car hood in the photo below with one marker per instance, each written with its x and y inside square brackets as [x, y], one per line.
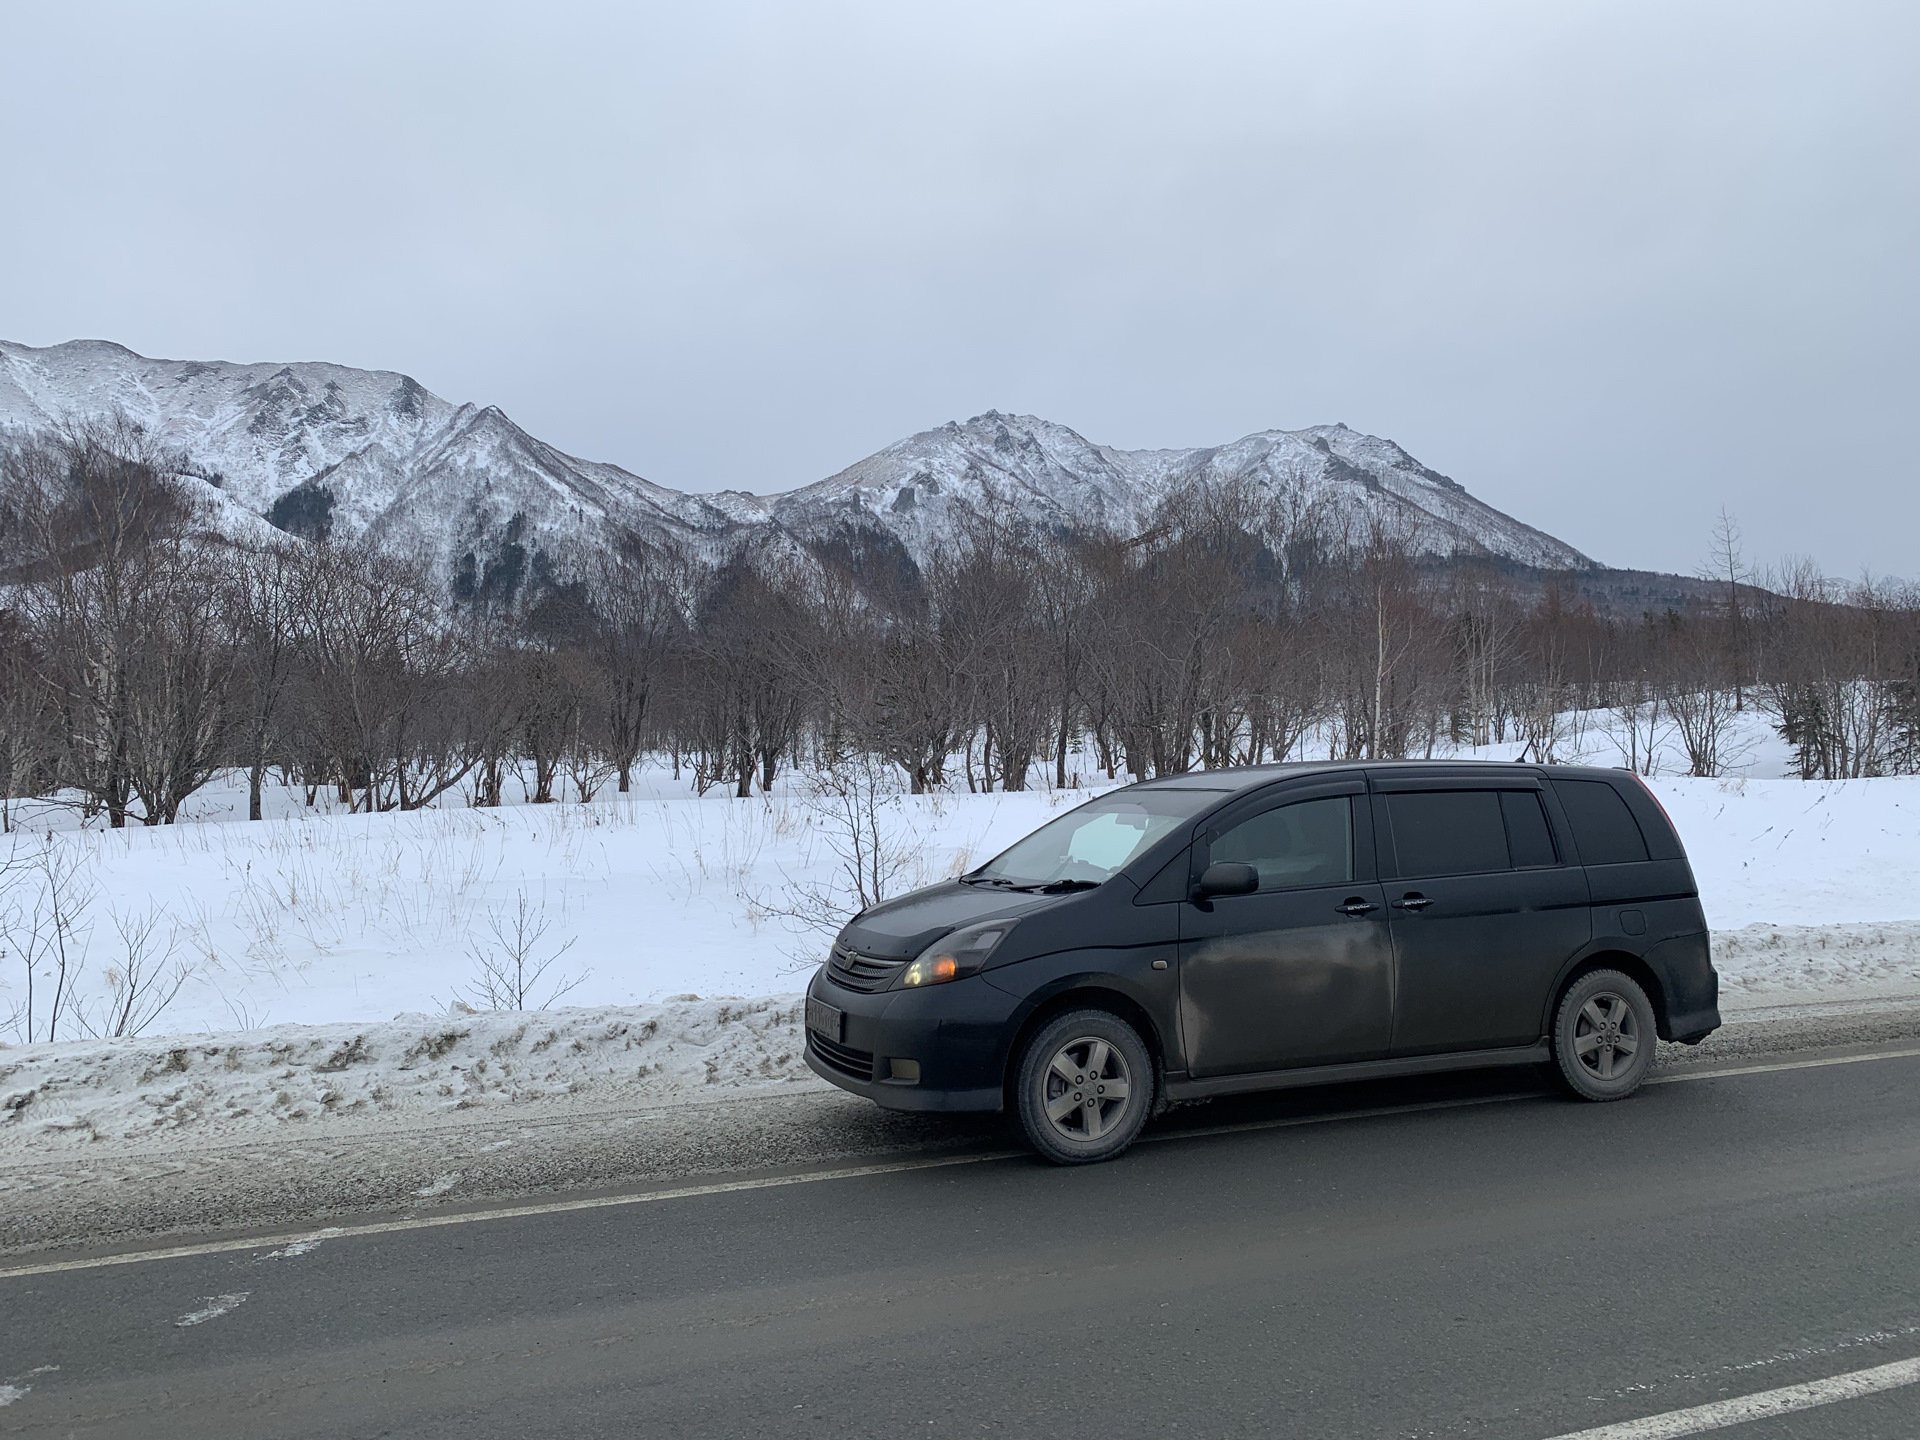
[900, 929]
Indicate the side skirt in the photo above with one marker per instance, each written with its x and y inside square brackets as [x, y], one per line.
[1183, 1089]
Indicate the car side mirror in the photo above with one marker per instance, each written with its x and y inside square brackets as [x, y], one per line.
[1228, 877]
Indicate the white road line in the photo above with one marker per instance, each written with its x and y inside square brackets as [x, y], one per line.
[216, 1306]
[850, 1172]
[1768, 1403]
[1784, 1065]
[301, 1243]
[1290, 1121]
[512, 1212]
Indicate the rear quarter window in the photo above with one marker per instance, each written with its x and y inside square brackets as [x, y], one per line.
[1528, 835]
[1603, 826]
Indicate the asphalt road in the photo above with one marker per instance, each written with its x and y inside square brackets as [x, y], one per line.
[1498, 1264]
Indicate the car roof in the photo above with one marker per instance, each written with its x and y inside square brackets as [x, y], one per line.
[1235, 779]
[1245, 777]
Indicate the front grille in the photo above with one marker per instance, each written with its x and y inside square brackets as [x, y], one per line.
[844, 1058]
[851, 970]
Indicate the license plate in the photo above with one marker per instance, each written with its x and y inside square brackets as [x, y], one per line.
[825, 1020]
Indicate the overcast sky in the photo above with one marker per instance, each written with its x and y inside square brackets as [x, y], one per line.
[1611, 266]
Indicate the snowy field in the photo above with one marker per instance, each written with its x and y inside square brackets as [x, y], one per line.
[363, 917]
[315, 917]
[336, 964]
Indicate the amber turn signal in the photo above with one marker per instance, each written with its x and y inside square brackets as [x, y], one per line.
[953, 956]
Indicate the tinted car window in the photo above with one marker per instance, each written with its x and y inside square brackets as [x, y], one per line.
[1529, 840]
[1602, 824]
[1448, 832]
[1309, 842]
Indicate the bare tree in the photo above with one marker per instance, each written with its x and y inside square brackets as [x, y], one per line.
[263, 591]
[1843, 666]
[27, 754]
[1486, 626]
[1703, 710]
[643, 597]
[1726, 565]
[380, 692]
[178, 676]
[92, 502]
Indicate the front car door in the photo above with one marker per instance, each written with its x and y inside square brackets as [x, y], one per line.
[1485, 908]
[1301, 971]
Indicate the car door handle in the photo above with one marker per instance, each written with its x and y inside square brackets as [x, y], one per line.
[1412, 900]
[1356, 906]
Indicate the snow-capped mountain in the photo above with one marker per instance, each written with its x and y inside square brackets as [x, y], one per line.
[1053, 475]
[325, 448]
[316, 448]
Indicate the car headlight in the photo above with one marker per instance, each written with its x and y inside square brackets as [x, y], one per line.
[957, 955]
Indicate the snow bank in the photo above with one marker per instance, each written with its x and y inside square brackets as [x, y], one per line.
[284, 1079]
[1821, 960]
[222, 1086]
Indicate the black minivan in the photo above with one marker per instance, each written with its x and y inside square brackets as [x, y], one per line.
[1253, 929]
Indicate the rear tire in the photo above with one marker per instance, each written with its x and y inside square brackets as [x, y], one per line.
[1603, 1036]
[1084, 1087]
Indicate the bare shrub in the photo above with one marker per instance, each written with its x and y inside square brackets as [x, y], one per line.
[512, 973]
[854, 810]
[145, 980]
[45, 891]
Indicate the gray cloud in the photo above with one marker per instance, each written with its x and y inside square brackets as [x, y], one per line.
[1610, 265]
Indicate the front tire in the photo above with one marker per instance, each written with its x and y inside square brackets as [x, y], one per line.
[1084, 1087]
[1603, 1036]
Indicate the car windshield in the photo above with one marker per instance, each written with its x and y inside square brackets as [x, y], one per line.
[1095, 842]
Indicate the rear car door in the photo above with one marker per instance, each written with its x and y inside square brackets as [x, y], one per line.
[1301, 971]
[1485, 910]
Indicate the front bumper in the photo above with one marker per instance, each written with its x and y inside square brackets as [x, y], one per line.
[957, 1034]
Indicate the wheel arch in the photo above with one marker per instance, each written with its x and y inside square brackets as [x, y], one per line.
[1090, 996]
[1627, 964]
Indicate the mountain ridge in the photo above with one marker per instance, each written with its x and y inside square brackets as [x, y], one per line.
[314, 447]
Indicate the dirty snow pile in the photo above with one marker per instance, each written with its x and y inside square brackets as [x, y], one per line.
[1824, 961]
[221, 1086]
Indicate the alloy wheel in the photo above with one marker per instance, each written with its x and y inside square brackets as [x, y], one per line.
[1087, 1087]
[1606, 1035]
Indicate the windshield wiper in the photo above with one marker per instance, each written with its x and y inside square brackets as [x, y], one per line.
[1032, 887]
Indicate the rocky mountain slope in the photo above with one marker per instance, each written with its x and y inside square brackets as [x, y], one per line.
[315, 448]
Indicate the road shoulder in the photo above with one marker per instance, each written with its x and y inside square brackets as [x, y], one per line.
[117, 1195]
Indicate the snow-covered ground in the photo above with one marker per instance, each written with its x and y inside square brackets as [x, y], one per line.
[313, 917]
[335, 963]
[357, 918]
